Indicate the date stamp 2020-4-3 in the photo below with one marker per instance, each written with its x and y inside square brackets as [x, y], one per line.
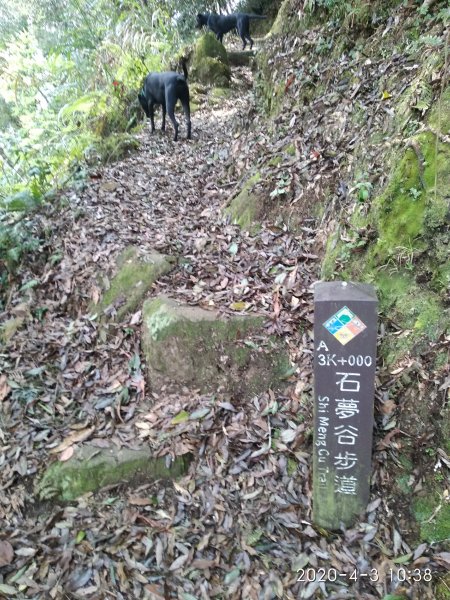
[391, 575]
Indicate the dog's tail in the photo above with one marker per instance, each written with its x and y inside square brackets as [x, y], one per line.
[256, 16]
[184, 67]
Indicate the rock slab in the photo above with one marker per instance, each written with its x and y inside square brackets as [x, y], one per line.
[190, 346]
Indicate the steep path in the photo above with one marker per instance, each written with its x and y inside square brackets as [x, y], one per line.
[239, 525]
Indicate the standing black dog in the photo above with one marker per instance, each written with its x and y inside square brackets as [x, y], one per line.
[165, 89]
[221, 24]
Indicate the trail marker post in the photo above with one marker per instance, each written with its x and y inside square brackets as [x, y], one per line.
[345, 335]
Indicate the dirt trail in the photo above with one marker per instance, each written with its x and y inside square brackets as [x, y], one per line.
[238, 526]
[66, 372]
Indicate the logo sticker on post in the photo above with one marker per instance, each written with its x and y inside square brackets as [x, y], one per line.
[345, 336]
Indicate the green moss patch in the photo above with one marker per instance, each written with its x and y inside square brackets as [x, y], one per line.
[408, 261]
[133, 279]
[442, 590]
[210, 62]
[91, 468]
[433, 515]
[289, 149]
[245, 207]
[190, 346]
[218, 94]
[405, 212]
[439, 117]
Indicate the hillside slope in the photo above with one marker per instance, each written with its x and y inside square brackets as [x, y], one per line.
[362, 94]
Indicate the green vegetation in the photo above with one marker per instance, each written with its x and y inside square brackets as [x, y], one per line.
[69, 77]
[433, 515]
[409, 218]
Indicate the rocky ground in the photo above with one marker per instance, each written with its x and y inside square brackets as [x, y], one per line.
[239, 524]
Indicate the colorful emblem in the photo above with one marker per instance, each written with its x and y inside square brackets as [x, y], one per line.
[344, 325]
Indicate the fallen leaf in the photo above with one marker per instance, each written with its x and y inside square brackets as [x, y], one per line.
[4, 387]
[66, 454]
[135, 319]
[76, 436]
[8, 590]
[6, 553]
[138, 501]
[238, 306]
[181, 417]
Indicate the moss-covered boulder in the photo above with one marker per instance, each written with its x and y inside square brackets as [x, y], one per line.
[190, 346]
[135, 276]
[210, 64]
[91, 468]
[245, 208]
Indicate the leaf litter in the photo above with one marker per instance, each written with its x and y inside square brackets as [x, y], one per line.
[239, 524]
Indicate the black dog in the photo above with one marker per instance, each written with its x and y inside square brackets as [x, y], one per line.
[165, 89]
[221, 24]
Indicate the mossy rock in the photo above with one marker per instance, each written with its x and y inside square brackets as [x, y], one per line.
[246, 206]
[135, 276]
[190, 346]
[91, 468]
[269, 92]
[212, 71]
[209, 45]
[287, 21]
[210, 62]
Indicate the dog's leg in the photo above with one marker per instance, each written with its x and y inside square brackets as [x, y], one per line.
[151, 114]
[187, 114]
[171, 100]
[244, 31]
[171, 113]
[163, 126]
[241, 29]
